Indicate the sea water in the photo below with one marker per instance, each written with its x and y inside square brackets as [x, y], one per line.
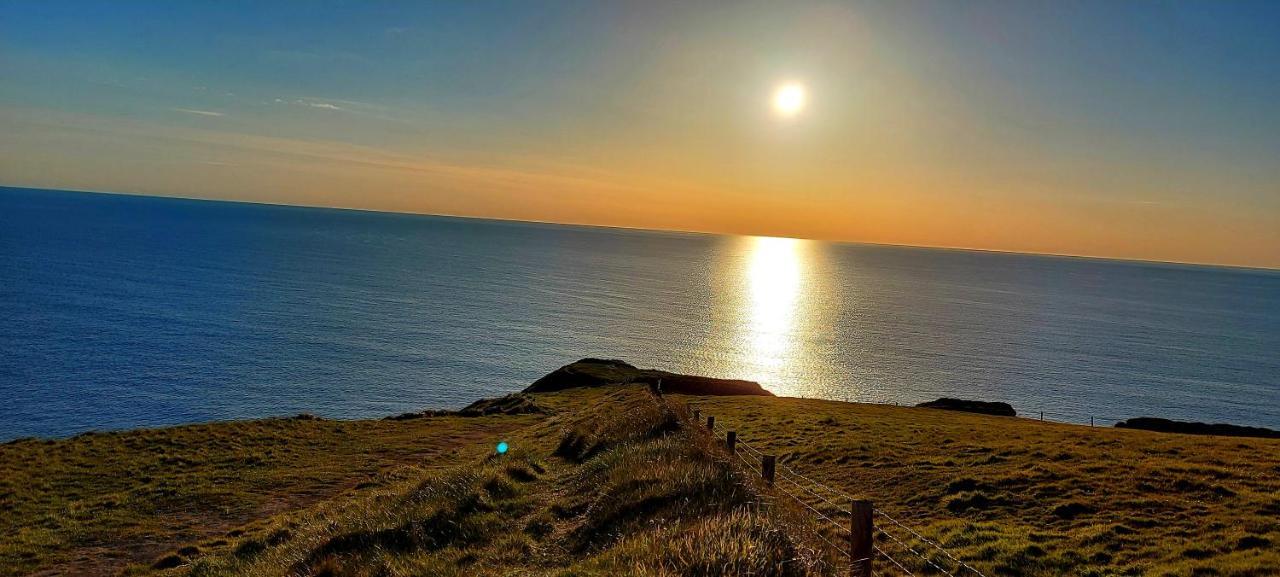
[127, 311]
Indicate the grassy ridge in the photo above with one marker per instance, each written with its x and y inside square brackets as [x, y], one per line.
[1022, 497]
[622, 485]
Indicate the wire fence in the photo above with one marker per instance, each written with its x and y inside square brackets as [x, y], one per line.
[1077, 417]
[1093, 420]
[905, 550]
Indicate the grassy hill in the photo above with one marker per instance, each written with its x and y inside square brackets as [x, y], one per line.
[1023, 497]
[96, 503]
[613, 480]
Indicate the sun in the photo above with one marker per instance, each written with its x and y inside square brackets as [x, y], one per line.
[789, 99]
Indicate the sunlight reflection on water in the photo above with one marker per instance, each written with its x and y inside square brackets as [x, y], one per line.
[773, 283]
[767, 304]
[264, 310]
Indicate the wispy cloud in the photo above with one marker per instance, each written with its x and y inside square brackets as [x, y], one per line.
[311, 103]
[199, 112]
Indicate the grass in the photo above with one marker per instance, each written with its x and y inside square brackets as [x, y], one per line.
[609, 481]
[621, 485]
[97, 503]
[1021, 497]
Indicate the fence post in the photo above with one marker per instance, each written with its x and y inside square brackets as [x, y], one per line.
[711, 422]
[1090, 420]
[731, 441]
[767, 467]
[861, 527]
[1041, 415]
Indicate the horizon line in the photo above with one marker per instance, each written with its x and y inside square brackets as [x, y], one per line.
[1176, 263]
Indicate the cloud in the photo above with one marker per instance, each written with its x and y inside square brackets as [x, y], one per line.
[316, 104]
[338, 105]
[199, 112]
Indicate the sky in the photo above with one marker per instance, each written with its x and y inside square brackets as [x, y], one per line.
[1143, 130]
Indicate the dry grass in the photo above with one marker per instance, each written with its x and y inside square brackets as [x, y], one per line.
[94, 504]
[619, 486]
[1022, 497]
[608, 481]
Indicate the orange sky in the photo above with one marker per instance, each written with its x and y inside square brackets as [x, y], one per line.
[977, 127]
[867, 202]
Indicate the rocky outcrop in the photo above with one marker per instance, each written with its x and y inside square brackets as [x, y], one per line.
[514, 404]
[1189, 428]
[601, 372]
[983, 407]
[517, 404]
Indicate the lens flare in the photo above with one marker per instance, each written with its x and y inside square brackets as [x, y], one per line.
[502, 447]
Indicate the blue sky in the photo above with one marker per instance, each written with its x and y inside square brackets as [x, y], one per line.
[1101, 128]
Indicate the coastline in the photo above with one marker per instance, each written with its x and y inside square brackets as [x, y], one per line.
[591, 372]
[947, 471]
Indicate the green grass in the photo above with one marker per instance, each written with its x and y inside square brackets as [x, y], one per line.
[96, 503]
[621, 485]
[608, 481]
[1021, 497]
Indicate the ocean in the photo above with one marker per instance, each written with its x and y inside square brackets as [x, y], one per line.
[128, 311]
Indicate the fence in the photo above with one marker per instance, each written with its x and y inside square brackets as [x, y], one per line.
[905, 550]
[1072, 418]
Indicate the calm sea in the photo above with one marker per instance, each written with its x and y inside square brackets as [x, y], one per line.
[120, 311]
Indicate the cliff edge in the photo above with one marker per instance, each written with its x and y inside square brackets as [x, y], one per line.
[602, 372]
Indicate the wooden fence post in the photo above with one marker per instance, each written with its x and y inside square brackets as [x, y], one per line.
[861, 528]
[711, 422]
[1041, 415]
[767, 463]
[731, 441]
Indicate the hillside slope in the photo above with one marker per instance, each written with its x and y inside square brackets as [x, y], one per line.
[95, 503]
[1018, 496]
[622, 485]
[608, 480]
